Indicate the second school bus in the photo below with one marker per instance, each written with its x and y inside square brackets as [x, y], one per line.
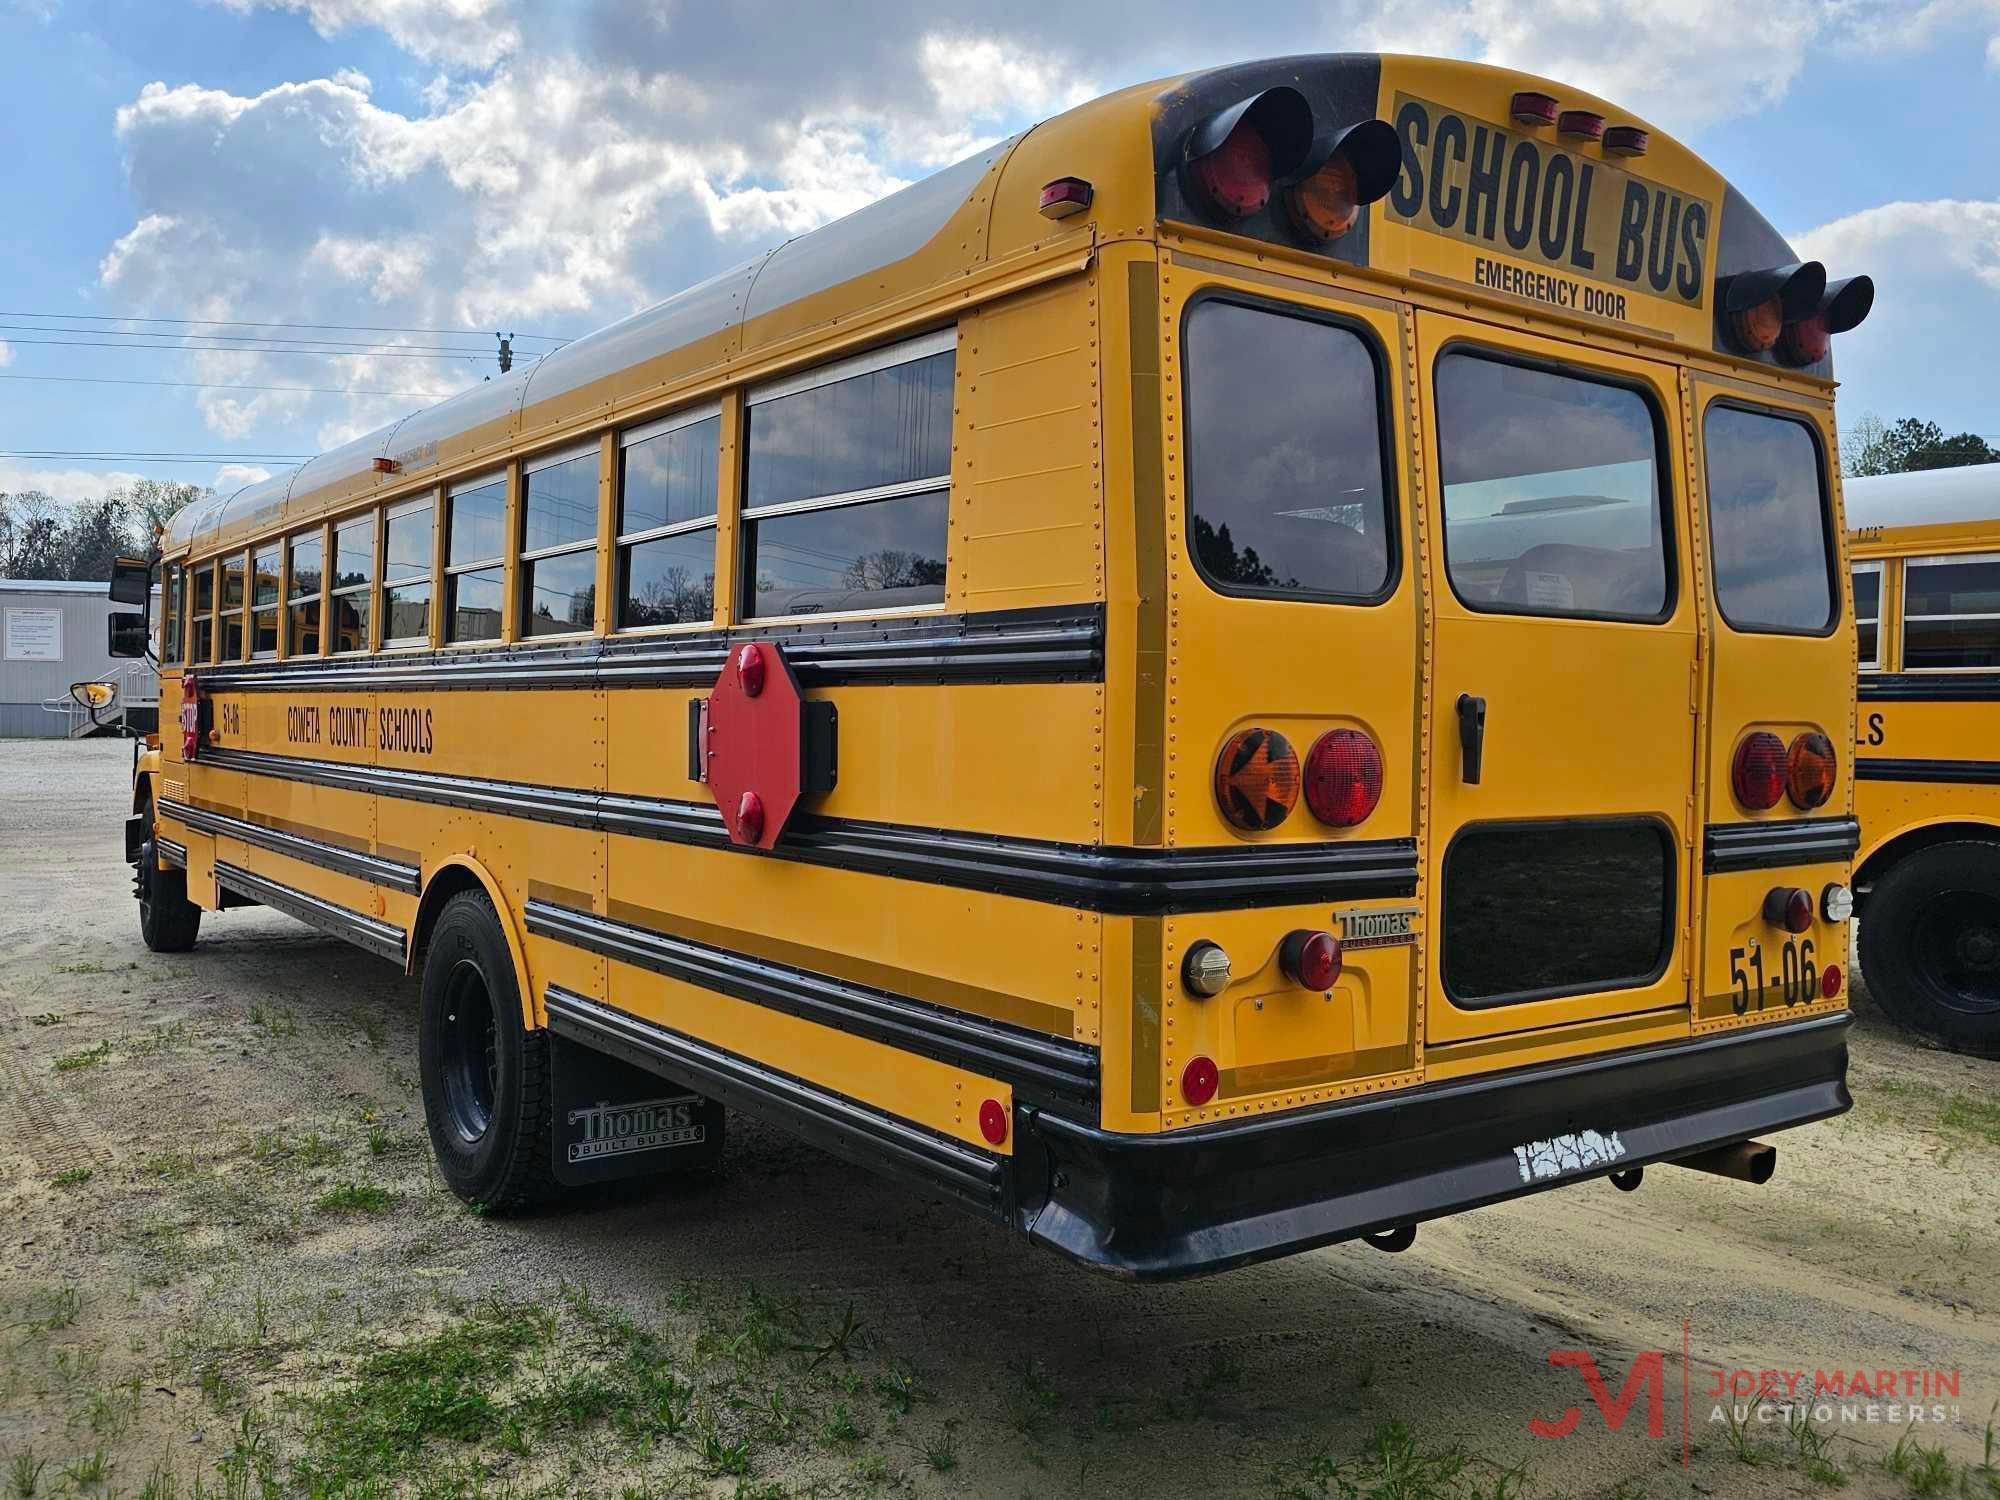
[1926, 549]
[1262, 662]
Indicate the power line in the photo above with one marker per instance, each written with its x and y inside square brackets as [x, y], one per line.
[555, 338]
[235, 338]
[205, 385]
[365, 353]
[170, 456]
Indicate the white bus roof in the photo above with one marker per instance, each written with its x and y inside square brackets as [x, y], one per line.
[1928, 497]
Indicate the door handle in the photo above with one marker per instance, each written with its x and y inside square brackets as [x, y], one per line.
[1471, 736]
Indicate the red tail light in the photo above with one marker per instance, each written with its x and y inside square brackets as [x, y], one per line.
[190, 716]
[1343, 777]
[1310, 960]
[1809, 770]
[1758, 773]
[1257, 779]
[1789, 907]
[1231, 160]
[1199, 1080]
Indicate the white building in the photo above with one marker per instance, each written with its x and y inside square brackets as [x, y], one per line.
[53, 633]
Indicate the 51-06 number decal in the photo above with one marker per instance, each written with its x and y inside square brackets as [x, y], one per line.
[1797, 979]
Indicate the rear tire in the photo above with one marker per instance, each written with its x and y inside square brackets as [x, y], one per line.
[488, 1092]
[168, 921]
[1930, 944]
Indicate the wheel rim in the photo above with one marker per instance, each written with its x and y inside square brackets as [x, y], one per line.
[1958, 949]
[471, 1052]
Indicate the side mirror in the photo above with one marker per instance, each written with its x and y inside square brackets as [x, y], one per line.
[125, 633]
[131, 582]
[93, 695]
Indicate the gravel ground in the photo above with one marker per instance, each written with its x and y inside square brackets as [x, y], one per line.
[219, 1224]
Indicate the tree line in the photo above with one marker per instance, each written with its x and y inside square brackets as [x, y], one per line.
[42, 537]
[1911, 444]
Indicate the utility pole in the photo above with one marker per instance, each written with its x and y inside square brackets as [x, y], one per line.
[506, 351]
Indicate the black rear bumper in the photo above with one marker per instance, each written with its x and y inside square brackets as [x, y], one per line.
[1206, 1199]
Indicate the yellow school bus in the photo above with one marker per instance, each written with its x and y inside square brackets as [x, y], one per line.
[1926, 561]
[1251, 666]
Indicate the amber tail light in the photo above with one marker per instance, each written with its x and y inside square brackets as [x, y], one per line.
[1257, 779]
[1810, 766]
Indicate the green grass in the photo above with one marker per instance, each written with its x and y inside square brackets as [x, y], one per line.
[1396, 1466]
[89, 1057]
[73, 1177]
[383, 1142]
[88, 1470]
[25, 1478]
[46, 1018]
[355, 1198]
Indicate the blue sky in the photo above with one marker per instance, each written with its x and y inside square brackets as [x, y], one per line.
[522, 164]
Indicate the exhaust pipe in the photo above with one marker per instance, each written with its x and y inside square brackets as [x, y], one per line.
[1746, 1161]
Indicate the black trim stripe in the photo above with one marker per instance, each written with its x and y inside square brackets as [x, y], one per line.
[1043, 1066]
[369, 867]
[869, 1137]
[1728, 847]
[1064, 643]
[172, 852]
[1940, 772]
[384, 939]
[1928, 687]
[1117, 880]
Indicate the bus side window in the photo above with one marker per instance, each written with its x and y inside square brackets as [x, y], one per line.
[666, 520]
[264, 601]
[353, 582]
[170, 623]
[1868, 614]
[475, 537]
[559, 542]
[1951, 612]
[302, 590]
[235, 571]
[406, 574]
[845, 483]
[201, 625]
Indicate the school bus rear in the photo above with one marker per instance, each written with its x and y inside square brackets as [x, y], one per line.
[1487, 628]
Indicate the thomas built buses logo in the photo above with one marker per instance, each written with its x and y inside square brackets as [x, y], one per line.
[1738, 1396]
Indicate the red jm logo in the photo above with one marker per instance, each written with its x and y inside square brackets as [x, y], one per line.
[1649, 1373]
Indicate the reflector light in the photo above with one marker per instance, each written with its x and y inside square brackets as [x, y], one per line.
[1580, 125]
[1626, 140]
[1788, 907]
[1066, 196]
[1829, 981]
[1758, 772]
[993, 1122]
[1532, 109]
[1809, 770]
[1758, 304]
[1205, 970]
[387, 466]
[1343, 777]
[1310, 960]
[750, 668]
[1232, 159]
[1199, 1080]
[1257, 779]
[750, 817]
[1836, 903]
[1844, 305]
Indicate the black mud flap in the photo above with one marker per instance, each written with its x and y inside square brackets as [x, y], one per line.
[135, 837]
[613, 1120]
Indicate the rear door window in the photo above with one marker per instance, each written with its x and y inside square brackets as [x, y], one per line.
[1285, 456]
[1553, 498]
[1767, 518]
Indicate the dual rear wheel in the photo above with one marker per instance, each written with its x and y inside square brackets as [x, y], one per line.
[1930, 944]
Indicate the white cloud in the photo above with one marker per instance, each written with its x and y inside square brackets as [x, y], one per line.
[232, 477]
[70, 486]
[6, 354]
[1925, 349]
[468, 33]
